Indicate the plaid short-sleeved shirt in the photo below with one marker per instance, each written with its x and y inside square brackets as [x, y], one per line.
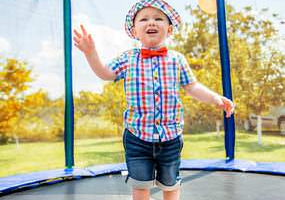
[152, 92]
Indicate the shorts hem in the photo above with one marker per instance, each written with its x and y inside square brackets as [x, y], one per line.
[168, 188]
[136, 184]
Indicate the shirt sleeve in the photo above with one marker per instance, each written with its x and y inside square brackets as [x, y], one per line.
[119, 66]
[186, 74]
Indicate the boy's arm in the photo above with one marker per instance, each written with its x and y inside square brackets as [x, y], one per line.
[84, 42]
[202, 93]
[97, 66]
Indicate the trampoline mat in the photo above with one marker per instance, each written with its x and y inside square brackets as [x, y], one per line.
[198, 185]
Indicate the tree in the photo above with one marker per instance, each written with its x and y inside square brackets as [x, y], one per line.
[257, 66]
[42, 118]
[114, 104]
[15, 77]
[88, 103]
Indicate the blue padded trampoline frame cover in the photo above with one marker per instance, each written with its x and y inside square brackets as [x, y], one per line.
[31, 180]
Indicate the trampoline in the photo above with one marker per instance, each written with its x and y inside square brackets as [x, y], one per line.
[219, 179]
[198, 185]
[108, 183]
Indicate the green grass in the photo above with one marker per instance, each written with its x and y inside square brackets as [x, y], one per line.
[210, 146]
[31, 157]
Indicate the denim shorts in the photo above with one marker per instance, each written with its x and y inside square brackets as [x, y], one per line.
[152, 163]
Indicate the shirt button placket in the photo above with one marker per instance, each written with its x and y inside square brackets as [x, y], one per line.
[156, 97]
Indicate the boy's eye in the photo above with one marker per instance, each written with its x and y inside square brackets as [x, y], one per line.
[143, 19]
[158, 19]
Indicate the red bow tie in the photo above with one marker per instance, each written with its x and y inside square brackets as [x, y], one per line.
[147, 53]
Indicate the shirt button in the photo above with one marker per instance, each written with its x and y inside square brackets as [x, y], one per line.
[155, 75]
[157, 122]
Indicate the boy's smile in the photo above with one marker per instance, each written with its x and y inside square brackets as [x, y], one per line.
[151, 27]
[151, 31]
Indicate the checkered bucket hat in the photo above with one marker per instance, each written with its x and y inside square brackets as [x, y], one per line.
[172, 14]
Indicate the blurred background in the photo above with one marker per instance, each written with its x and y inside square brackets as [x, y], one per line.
[32, 82]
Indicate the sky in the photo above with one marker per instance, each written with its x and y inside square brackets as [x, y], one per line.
[32, 31]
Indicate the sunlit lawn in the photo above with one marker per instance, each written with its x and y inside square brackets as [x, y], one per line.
[30, 157]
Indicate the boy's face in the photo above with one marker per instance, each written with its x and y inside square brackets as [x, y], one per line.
[151, 27]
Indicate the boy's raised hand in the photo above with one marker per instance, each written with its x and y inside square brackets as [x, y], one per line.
[83, 41]
[226, 104]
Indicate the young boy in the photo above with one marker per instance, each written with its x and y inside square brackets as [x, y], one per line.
[153, 76]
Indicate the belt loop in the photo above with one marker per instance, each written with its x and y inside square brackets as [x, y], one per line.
[127, 178]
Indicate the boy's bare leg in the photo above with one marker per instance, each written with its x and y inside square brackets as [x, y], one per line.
[141, 194]
[171, 195]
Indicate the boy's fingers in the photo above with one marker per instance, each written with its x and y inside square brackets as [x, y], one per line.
[228, 112]
[77, 34]
[76, 40]
[228, 107]
[90, 37]
[83, 30]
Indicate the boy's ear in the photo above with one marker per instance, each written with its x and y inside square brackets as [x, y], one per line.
[134, 32]
[170, 30]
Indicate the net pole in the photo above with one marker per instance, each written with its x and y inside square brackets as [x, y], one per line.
[69, 105]
[226, 79]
